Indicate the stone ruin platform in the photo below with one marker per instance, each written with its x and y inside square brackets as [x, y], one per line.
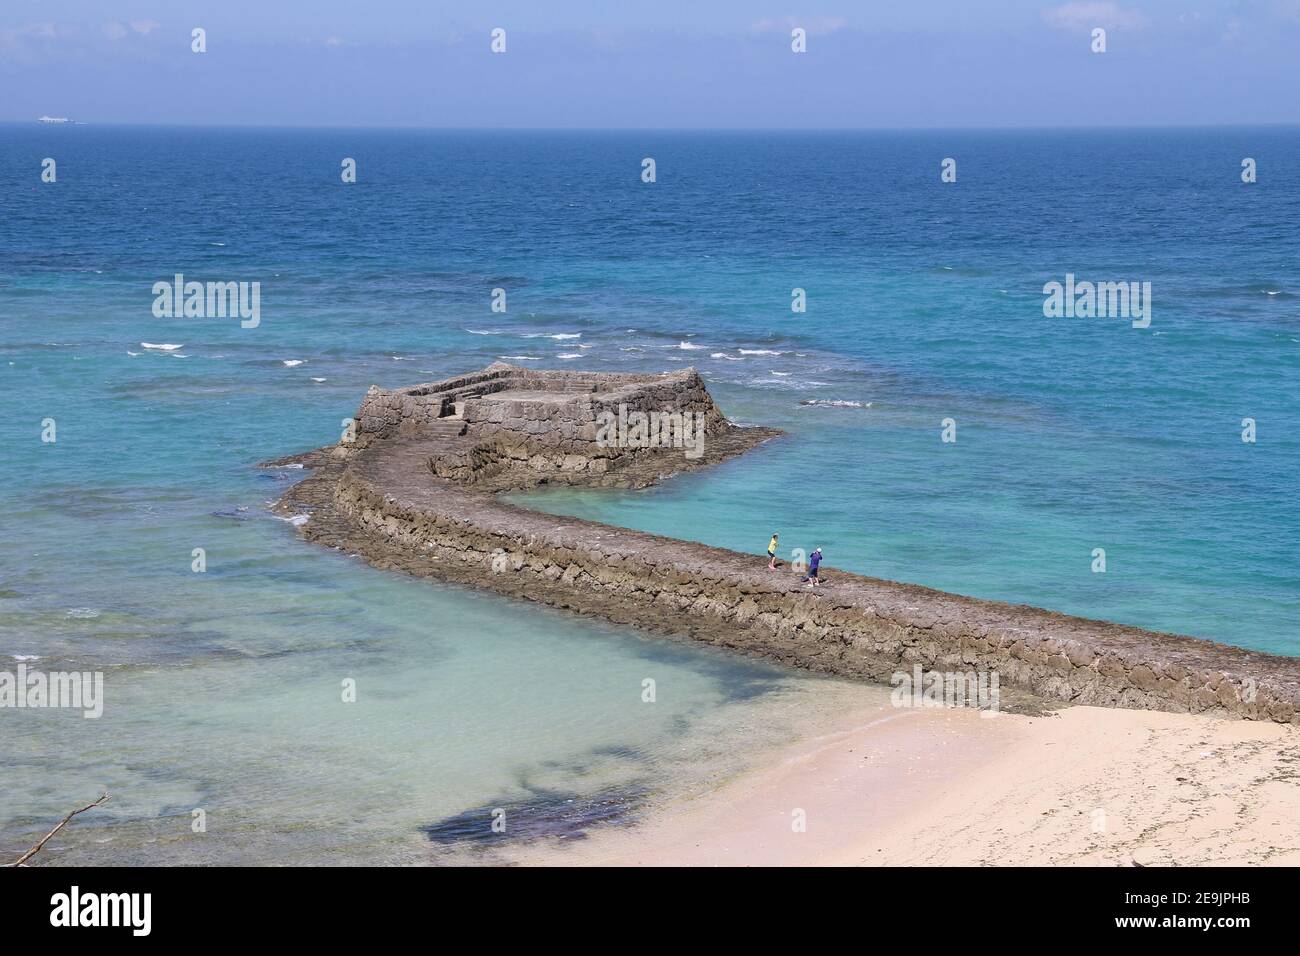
[507, 427]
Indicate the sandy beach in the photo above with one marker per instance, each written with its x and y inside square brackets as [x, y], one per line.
[903, 787]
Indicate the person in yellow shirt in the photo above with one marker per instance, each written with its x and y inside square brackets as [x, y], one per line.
[771, 553]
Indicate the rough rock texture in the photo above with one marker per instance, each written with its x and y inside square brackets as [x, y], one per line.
[522, 421]
[381, 499]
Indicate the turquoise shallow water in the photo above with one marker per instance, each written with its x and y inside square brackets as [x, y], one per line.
[924, 303]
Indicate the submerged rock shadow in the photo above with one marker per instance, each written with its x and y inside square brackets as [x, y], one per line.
[542, 815]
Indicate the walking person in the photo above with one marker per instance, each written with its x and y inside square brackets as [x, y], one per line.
[814, 562]
[771, 552]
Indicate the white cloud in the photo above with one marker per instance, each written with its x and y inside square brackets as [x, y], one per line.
[1086, 15]
[22, 47]
[145, 27]
[114, 30]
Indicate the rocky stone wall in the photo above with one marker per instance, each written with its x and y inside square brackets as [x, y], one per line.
[855, 627]
[567, 436]
[559, 431]
[384, 411]
[567, 426]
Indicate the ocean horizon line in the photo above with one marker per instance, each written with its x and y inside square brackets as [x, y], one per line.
[711, 129]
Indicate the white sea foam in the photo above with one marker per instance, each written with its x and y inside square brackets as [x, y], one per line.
[691, 346]
[315, 379]
[570, 355]
[782, 374]
[84, 613]
[297, 520]
[23, 658]
[757, 352]
[292, 363]
[520, 358]
[630, 348]
[161, 347]
[559, 336]
[132, 354]
[786, 382]
[724, 355]
[484, 332]
[833, 403]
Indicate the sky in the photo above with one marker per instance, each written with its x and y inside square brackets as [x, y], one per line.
[707, 64]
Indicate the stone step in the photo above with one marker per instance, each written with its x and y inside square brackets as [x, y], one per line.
[445, 428]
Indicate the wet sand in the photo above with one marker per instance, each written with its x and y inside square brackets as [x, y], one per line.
[900, 787]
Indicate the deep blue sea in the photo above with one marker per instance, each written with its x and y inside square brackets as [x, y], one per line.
[924, 303]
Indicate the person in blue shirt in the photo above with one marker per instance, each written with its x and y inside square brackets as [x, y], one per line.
[814, 562]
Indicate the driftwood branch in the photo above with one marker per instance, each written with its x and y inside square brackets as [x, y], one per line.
[22, 860]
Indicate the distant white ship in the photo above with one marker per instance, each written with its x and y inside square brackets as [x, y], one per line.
[53, 119]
